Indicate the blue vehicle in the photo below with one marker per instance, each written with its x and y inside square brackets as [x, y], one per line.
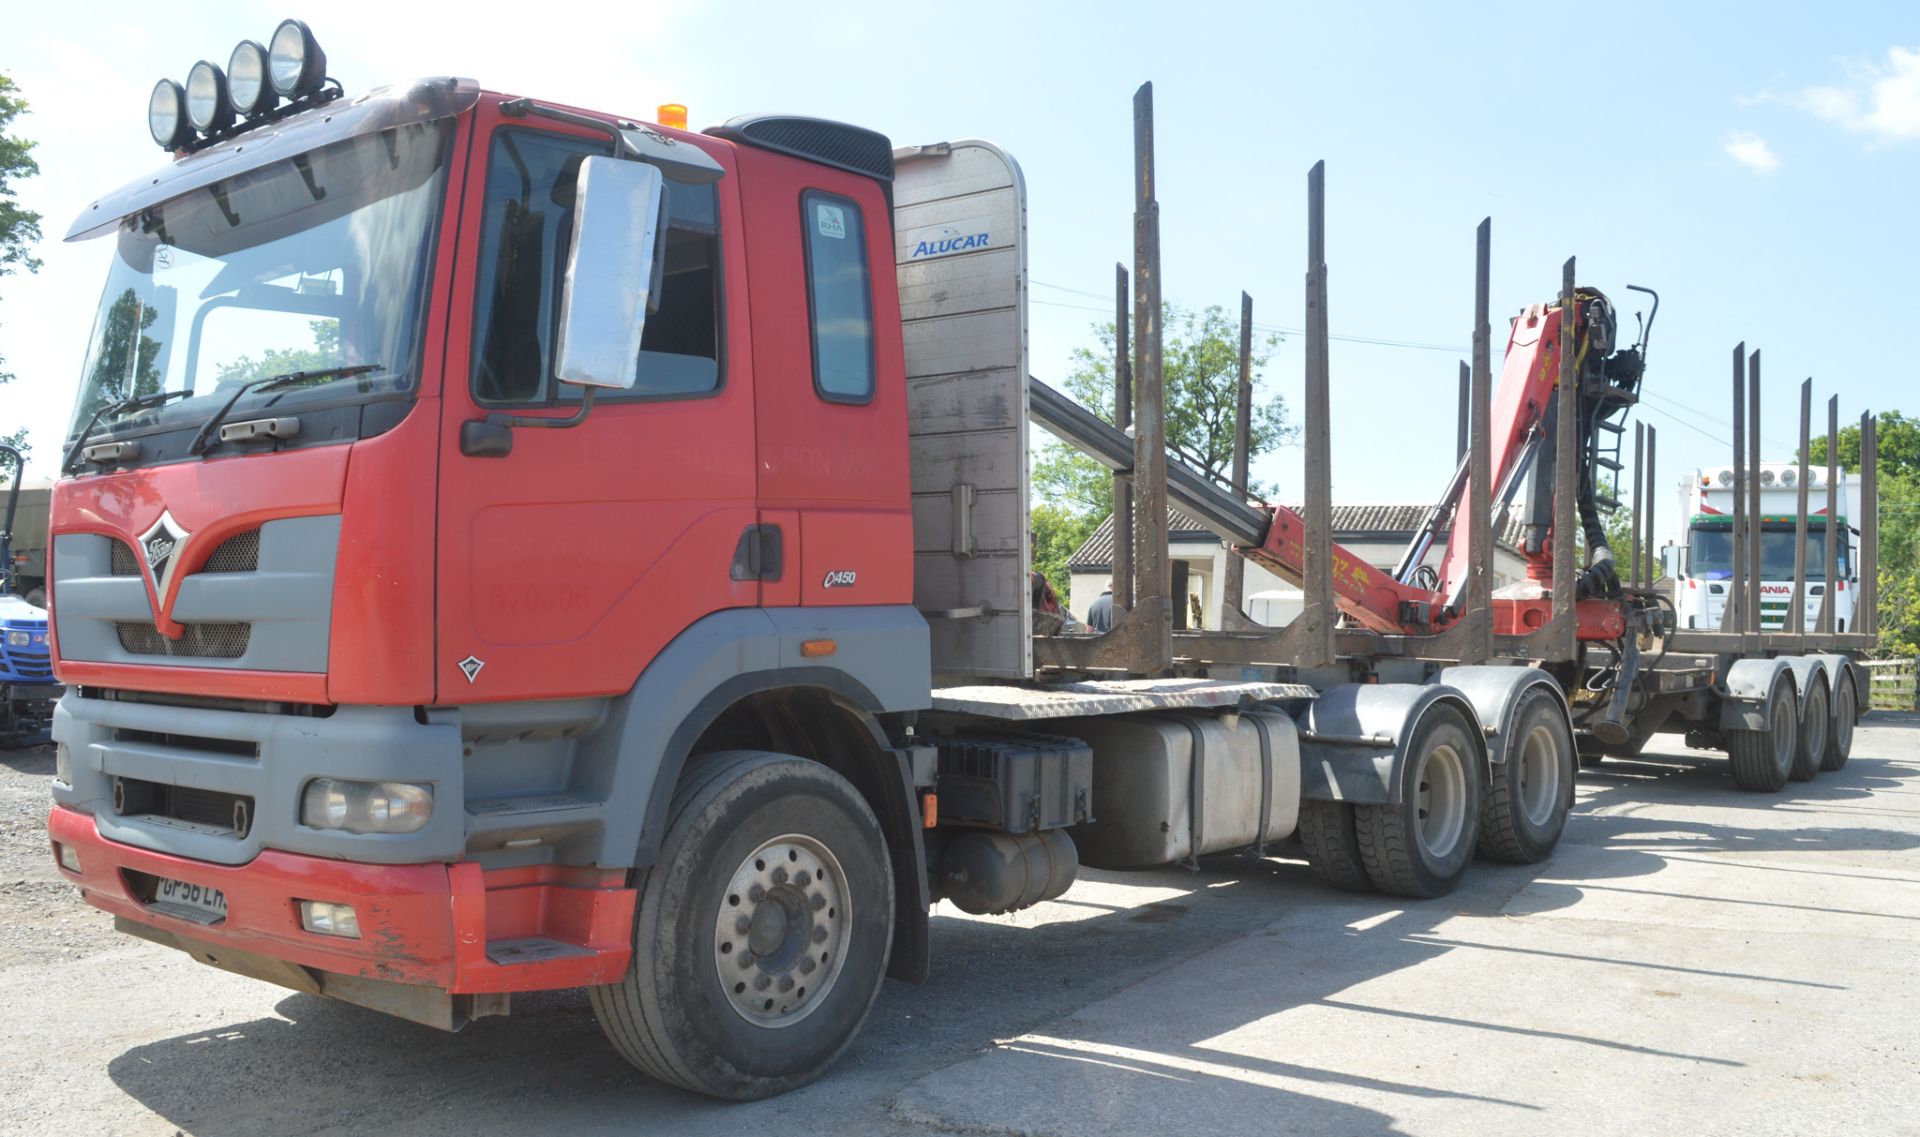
[27, 689]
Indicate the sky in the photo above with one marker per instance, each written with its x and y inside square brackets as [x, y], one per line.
[1756, 163]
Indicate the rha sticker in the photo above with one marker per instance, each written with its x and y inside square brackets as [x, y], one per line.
[832, 220]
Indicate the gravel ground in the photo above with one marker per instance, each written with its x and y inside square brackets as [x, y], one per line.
[39, 920]
[1693, 959]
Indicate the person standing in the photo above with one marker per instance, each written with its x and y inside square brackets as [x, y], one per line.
[1100, 612]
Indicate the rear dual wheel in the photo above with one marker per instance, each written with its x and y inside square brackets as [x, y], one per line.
[1526, 805]
[1763, 760]
[1421, 846]
[1846, 709]
[1816, 722]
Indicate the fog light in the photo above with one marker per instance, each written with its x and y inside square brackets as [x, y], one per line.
[167, 115]
[68, 857]
[366, 807]
[295, 64]
[207, 107]
[62, 764]
[324, 919]
[247, 86]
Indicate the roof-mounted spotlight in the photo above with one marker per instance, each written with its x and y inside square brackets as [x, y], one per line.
[295, 64]
[167, 115]
[207, 107]
[247, 86]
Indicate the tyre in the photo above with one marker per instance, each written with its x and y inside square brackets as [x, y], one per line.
[1326, 832]
[1815, 721]
[1525, 807]
[1846, 710]
[1763, 759]
[762, 930]
[1421, 846]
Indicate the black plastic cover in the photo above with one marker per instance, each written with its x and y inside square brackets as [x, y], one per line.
[1019, 784]
[852, 148]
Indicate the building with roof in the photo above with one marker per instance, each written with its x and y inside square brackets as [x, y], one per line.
[1377, 533]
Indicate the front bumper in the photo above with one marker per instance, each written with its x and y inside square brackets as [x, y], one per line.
[451, 926]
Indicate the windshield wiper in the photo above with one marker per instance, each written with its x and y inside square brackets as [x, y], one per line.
[138, 402]
[273, 383]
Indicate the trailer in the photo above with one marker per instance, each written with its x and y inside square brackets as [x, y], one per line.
[754, 405]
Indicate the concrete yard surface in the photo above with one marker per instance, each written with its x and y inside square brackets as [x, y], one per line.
[1692, 960]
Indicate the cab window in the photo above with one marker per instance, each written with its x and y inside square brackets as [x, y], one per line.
[525, 229]
[839, 297]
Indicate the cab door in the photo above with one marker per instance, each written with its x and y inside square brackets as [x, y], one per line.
[569, 562]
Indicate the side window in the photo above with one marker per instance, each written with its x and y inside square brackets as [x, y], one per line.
[839, 297]
[527, 222]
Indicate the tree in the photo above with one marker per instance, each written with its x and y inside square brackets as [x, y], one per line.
[1057, 532]
[1899, 485]
[1899, 447]
[1201, 353]
[19, 228]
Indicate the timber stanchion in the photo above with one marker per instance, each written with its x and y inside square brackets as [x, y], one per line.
[1731, 619]
[1751, 490]
[1797, 611]
[1123, 420]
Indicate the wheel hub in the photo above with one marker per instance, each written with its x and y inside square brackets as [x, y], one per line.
[781, 931]
[1539, 776]
[1440, 800]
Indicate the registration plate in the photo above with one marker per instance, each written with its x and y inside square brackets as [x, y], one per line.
[194, 901]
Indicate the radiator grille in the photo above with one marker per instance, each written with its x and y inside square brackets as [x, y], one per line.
[214, 809]
[199, 641]
[124, 562]
[238, 553]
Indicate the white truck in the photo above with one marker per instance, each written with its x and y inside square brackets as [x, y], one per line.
[1700, 560]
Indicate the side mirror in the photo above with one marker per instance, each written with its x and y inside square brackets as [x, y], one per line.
[610, 273]
[1670, 559]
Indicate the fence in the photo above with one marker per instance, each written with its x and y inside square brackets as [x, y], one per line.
[1892, 684]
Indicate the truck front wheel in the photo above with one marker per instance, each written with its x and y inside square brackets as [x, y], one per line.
[762, 930]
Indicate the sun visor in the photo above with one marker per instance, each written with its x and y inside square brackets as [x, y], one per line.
[402, 104]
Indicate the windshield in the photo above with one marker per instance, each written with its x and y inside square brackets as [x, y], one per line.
[1712, 552]
[316, 262]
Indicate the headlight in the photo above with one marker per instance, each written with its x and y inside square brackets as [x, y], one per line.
[19, 639]
[1788, 477]
[1766, 477]
[247, 88]
[365, 807]
[207, 107]
[62, 764]
[295, 64]
[167, 115]
[1726, 477]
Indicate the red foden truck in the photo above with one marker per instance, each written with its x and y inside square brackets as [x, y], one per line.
[505, 548]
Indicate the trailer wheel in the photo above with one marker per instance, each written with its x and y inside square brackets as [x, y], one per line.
[1763, 759]
[1846, 708]
[762, 930]
[1810, 754]
[1421, 846]
[1525, 808]
[1333, 849]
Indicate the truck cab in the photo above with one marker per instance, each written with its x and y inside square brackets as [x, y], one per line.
[1701, 561]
